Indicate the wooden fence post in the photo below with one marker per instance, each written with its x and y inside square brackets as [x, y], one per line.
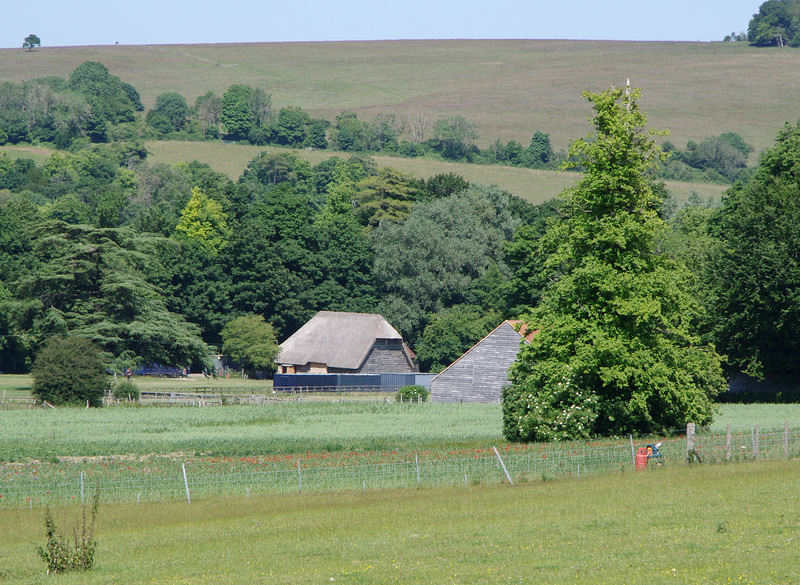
[690, 451]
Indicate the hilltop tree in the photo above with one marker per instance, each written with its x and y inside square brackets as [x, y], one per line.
[30, 42]
[614, 353]
[776, 23]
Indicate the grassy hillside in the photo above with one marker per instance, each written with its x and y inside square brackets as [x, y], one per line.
[509, 88]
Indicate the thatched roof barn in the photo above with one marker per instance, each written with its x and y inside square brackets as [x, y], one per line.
[345, 343]
[480, 374]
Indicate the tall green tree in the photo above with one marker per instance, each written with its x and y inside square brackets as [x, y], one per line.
[236, 115]
[209, 111]
[439, 253]
[614, 353]
[204, 220]
[455, 137]
[251, 342]
[112, 101]
[755, 273]
[170, 113]
[387, 196]
[91, 282]
[451, 332]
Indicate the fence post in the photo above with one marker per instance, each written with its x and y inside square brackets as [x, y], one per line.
[690, 449]
[500, 459]
[299, 477]
[728, 443]
[82, 487]
[416, 462]
[633, 451]
[755, 444]
[786, 439]
[186, 483]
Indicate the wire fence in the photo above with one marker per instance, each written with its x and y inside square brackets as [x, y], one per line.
[511, 464]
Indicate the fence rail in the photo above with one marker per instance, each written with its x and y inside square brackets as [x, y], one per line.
[15, 403]
[546, 462]
[225, 396]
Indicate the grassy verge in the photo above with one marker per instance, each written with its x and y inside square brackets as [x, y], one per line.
[687, 525]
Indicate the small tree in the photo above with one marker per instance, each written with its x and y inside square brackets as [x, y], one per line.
[31, 41]
[251, 342]
[70, 370]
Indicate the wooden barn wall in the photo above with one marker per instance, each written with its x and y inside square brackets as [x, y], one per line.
[480, 374]
[386, 355]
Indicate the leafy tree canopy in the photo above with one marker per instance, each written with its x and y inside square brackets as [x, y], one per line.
[755, 274]
[112, 100]
[613, 354]
[204, 220]
[251, 342]
[170, 113]
[451, 332]
[776, 23]
[90, 282]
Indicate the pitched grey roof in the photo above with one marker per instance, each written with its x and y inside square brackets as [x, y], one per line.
[481, 372]
[340, 340]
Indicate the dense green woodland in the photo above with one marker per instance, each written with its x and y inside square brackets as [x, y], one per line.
[167, 263]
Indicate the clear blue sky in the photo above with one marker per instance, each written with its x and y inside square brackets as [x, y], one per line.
[143, 22]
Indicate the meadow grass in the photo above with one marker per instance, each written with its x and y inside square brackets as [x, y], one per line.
[510, 88]
[533, 185]
[245, 430]
[721, 524]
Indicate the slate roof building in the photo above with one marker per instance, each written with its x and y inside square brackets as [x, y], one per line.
[345, 343]
[480, 374]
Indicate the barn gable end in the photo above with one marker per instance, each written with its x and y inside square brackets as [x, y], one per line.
[481, 373]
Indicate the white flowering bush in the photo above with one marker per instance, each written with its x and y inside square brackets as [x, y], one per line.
[552, 407]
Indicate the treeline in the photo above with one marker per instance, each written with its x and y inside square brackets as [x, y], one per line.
[93, 106]
[151, 261]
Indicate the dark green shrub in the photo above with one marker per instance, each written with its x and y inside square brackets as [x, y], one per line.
[70, 370]
[413, 393]
[62, 555]
[126, 391]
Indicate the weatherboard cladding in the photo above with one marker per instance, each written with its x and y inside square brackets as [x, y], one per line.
[480, 374]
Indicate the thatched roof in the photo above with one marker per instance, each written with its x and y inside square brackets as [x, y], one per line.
[340, 340]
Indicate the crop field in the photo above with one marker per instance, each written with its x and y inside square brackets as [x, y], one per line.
[719, 524]
[510, 89]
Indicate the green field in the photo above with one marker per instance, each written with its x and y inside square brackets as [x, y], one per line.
[533, 185]
[509, 88]
[724, 524]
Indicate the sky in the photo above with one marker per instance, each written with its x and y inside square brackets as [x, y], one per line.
[165, 22]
